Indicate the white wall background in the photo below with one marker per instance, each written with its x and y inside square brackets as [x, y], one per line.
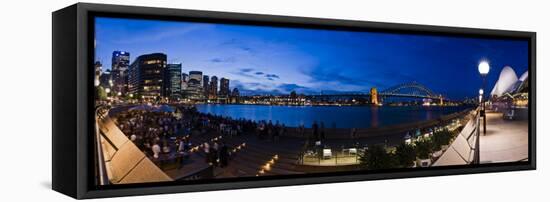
[25, 109]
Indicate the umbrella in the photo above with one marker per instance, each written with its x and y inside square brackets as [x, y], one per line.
[165, 108]
[142, 107]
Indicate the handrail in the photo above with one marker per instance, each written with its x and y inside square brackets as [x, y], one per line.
[101, 171]
[467, 133]
[476, 159]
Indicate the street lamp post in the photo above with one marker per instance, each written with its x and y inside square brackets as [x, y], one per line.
[483, 69]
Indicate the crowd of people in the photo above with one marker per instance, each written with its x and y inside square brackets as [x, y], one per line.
[167, 136]
[152, 131]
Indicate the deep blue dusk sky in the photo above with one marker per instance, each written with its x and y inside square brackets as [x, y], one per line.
[274, 59]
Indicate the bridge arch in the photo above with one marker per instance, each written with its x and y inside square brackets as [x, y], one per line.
[411, 89]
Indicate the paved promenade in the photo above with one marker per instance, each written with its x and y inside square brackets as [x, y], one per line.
[505, 140]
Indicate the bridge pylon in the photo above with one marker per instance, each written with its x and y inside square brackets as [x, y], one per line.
[374, 96]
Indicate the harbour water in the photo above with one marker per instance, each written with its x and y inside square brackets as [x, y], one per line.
[331, 116]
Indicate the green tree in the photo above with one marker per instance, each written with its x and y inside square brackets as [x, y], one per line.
[441, 138]
[100, 93]
[424, 148]
[376, 157]
[128, 97]
[405, 155]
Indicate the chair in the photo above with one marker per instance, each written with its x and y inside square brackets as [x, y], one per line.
[352, 151]
[327, 153]
[509, 115]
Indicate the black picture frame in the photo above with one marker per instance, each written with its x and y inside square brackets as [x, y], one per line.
[73, 106]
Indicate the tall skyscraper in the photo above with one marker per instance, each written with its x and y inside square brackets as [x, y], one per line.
[224, 88]
[172, 78]
[213, 92]
[98, 69]
[205, 85]
[235, 96]
[185, 77]
[194, 86]
[195, 76]
[184, 80]
[146, 75]
[235, 92]
[105, 79]
[119, 71]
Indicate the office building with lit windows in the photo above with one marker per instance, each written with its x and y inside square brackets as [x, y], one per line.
[194, 89]
[205, 84]
[105, 79]
[184, 80]
[224, 88]
[119, 71]
[146, 76]
[213, 91]
[172, 78]
[98, 68]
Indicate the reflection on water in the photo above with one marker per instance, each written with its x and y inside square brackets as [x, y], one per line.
[332, 116]
[374, 116]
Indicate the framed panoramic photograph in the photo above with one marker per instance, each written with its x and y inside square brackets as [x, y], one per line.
[152, 100]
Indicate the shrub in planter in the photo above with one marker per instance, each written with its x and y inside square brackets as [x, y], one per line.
[405, 155]
[441, 138]
[377, 157]
[424, 148]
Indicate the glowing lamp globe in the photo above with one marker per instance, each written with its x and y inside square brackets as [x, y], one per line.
[483, 68]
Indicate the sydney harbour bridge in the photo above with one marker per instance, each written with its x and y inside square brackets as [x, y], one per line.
[404, 90]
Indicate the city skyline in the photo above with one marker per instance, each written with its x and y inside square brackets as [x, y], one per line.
[279, 60]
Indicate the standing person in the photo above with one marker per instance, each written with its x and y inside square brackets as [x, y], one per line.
[281, 131]
[133, 137]
[224, 155]
[239, 129]
[206, 148]
[276, 130]
[181, 145]
[270, 131]
[156, 150]
[264, 131]
[222, 127]
[322, 130]
[165, 147]
[315, 129]
[215, 153]
[180, 153]
[301, 130]
[260, 130]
